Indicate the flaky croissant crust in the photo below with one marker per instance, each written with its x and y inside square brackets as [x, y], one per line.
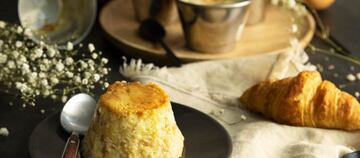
[304, 100]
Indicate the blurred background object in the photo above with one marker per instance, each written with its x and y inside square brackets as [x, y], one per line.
[164, 11]
[320, 4]
[256, 11]
[58, 21]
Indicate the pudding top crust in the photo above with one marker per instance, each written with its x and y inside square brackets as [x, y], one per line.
[126, 98]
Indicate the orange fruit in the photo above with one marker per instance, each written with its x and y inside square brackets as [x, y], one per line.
[320, 4]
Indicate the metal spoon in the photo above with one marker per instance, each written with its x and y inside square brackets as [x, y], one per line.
[75, 118]
[153, 31]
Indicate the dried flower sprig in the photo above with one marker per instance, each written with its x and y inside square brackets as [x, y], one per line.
[41, 70]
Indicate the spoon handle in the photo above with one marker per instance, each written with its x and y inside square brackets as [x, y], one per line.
[170, 54]
[71, 147]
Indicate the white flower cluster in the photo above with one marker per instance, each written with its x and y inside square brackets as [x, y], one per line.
[42, 70]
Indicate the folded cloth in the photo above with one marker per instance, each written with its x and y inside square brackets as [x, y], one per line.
[214, 87]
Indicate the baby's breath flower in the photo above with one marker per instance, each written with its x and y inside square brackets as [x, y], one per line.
[106, 84]
[51, 52]
[64, 99]
[38, 69]
[85, 81]
[59, 66]
[96, 77]
[54, 80]
[69, 46]
[38, 53]
[94, 55]
[2, 24]
[69, 74]
[104, 60]
[69, 61]
[3, 58]
[77, 79]
[91, 47]
[19, 29]
[27, 32]
[18, 44]
[11, 64]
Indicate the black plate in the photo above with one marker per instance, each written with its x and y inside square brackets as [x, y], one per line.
[204, 137]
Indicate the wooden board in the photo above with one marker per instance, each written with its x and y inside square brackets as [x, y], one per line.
[271, 36]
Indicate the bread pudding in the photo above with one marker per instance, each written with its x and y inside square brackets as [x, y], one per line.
[133, 120]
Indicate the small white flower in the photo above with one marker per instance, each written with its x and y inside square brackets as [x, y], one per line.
[96, 77]
[42, 111]
[351, 77]
[43, 67]
[38, 53]
[77, 79]
[104, 60]
[22, 59]
[2, 24]
[83, 65]
[94, 55]
[91, 47]
[18, 44]
[11, 64]
[357, 94]
[85, 81]
[1, 42]
[28, 32]
[44, 83]
[51, 52]
[69, 46]
[64, 99]
[59, 66]
[15, 54]
[3, 130]
[91, 62]
[358, 75]
[87, 75]
[69, 74]
[106, 84]
[3, 58]
[105, 71]
[19, 29]
[42, 75]
[54, 80]
[69, 61]
[32, 77]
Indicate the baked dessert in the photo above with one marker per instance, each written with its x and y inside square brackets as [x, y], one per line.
[133, 120]
[304, 100]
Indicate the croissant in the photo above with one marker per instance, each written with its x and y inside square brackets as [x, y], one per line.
[304, 100]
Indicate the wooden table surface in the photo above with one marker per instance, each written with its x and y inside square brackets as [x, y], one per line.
[343, 19]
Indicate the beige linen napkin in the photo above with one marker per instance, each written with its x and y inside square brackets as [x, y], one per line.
[214, 87]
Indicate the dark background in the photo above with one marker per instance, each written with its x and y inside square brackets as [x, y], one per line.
[343, 18]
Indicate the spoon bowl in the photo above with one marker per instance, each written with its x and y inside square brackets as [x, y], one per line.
[77, 113]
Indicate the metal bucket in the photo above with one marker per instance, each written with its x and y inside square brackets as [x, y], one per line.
[213, 28]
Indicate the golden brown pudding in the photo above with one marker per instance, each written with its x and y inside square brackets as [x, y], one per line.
[133, 120]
